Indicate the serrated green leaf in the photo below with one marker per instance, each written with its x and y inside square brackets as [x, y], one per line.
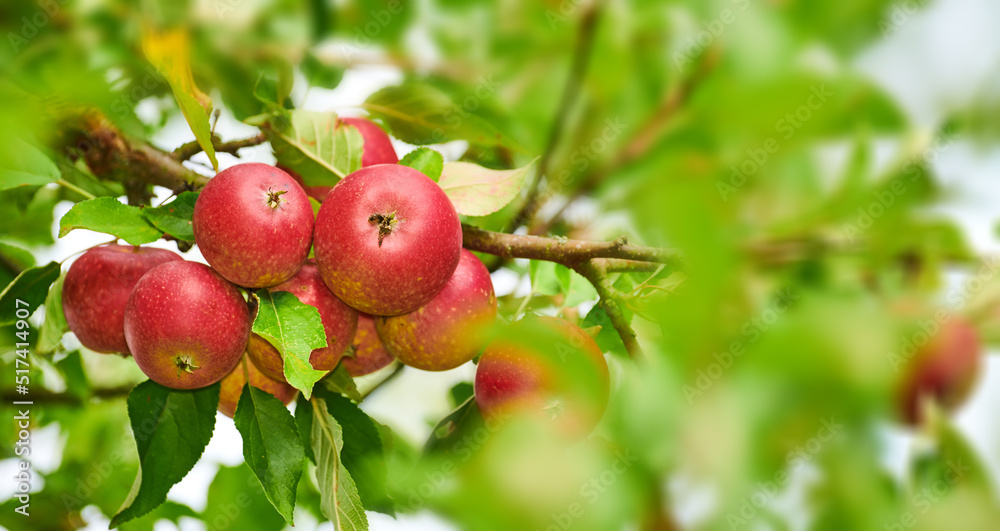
[271, 447]
[315, 145]
[479, 191]
[27, 291]
[341, 381]
[363, 452]
[340, 501]
[304, 423]
[295, 329]
[426, 161]
[22, 164]
[108, 215]
[171, 428]
[55, 325]
[174, 218]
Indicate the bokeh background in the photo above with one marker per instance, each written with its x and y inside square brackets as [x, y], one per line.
[755, 136]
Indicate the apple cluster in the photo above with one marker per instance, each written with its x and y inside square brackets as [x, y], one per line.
[388, 277]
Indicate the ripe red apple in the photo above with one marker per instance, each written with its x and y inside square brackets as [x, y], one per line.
[339, 322]
[370, 354]
[97, 287]
[378, 148]
[232, 387]
[548, 367]
[943, 370]
[450, 329]
[253, 223]
[186, 326]
[387, 239]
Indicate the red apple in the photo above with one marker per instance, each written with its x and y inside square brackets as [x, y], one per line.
[186, 326]
[232, 387]
[378, 148]
[943, 370]
[339, 322]
[387, 239]
[97, 287]
[450, 329]
[370, 354]
[547, 367]
[253, 223]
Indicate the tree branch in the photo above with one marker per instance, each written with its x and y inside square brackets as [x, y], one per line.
[48, 397]
[593, 271]
[560, 250]
[190, 149]
[109, 153]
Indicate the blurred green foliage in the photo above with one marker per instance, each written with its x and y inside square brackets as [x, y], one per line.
[706, 126]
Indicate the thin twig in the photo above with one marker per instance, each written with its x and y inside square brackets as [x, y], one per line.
[190, 149]
[593, 272]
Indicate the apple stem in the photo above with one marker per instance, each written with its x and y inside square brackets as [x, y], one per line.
[185, 363]
[274, 198]
[385, 224]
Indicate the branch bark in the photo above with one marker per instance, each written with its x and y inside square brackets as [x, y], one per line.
[190, 149]
[48, 397]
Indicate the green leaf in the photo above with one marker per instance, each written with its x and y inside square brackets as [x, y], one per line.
[174, 218]
[426, 161]
[576, 288]
[271, 447]
[421, 114]
[340, 501]
[108, 215]
[304, 423]
[55, 325]
[71, 368]
[445, 432]
[479, 191]
[341, 381]
[236, 499]
[22, 164]
[607, 339]
[459, 393]
[544, 280]
[170, 53]
[171, 428]
[295, 329]
[320, 75]
[169, 511]
[79, 175]
[363, 454]
[315, 145]
[27, 291]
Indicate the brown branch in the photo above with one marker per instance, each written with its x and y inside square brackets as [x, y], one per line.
[593, 271]
[560, 250]
[571, 92]
[111, 154]
[190, 149]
